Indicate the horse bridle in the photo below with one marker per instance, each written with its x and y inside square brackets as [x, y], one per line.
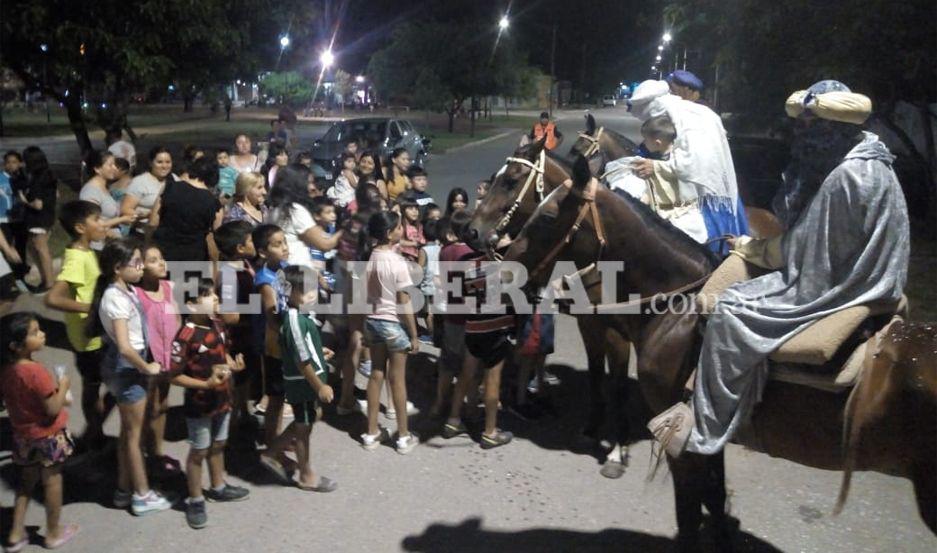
[534, 176]
[594, 146]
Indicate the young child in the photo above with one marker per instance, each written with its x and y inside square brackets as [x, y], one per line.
[387, 277]
[304, 379]
[116, 311]
[432, 212]
[227, 176]
[72, 294]
[419, 182]
[235, 280]
[202, 365]
[325, 216]
[481, 190]
[343, 191]
[270, 243]
[118, 188]
[41, 443]
[429, 260]
[412, 239]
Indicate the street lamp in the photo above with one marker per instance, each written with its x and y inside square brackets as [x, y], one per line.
[284, 41]
[504, 23]
[660, 47]
[667, 37]
[327, 58]
[658, 57]
[359, 79]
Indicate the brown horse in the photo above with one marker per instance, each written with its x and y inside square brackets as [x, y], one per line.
[515, 191]
[893, 411]
[600, 145]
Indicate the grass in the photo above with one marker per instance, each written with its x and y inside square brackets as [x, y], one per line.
[19, 122]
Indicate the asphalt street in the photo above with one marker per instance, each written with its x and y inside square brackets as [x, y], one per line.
[534, 494]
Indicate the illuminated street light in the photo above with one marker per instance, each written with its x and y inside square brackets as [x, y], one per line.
[327, 58]
[284, 41]
[660, 47]
[667, 37]
[504, 23]
[658, 58]
[359, 79]
[44, 47]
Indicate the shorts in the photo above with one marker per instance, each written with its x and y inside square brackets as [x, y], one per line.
[273, 376]
[453, 348]
[490, 347]
[89, 366]
[126, 385]
[204, 431]
[305, 412]
[388, 333]
[533, 344]
[47, 451]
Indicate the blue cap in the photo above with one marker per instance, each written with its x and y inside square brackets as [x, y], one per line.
[685, 78]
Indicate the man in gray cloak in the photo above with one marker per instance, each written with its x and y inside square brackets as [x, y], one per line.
[846, 244]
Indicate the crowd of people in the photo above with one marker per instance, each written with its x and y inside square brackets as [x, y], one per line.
[261, 225]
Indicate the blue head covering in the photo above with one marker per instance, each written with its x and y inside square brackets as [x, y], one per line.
[685, 78]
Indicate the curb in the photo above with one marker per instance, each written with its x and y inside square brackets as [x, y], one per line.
[479, 142]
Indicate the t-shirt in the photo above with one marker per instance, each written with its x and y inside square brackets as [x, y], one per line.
[194, 351]
[397, 186]
[162, 321]
[275, 279]
[387, 274]
[124, 150]
[449, 253]
[80, 270]
[146, 189]
[431, 271]
[227, 179]
[294, 226]
[42, 187]
[300, 343]
[117, 303]
[413, 233]
[109, 207]
[252, 164]
[25, 386]
[421, 198]
[6, 196]
[186, 217]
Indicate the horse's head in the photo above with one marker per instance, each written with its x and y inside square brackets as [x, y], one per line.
[511, 197]
[549, 226]
[600, 145]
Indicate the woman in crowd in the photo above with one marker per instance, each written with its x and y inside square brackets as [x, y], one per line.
[370, 171]
[103, 169]
[457, 201]
[250, 192]
[291, 210]
[396, 173]
[187, 212]
[243, 159]
[277, 159]
[145, 189]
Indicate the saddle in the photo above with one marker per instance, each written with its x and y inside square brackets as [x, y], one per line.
[829, 354]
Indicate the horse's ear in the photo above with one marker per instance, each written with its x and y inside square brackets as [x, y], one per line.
[581, 172]
[537, 146]
[590, 124]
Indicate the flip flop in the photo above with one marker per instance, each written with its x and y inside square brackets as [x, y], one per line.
[276, 469]
[326, 485]
[18, 546]
[69, 532]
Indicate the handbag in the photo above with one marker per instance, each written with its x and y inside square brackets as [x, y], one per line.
[672, 428]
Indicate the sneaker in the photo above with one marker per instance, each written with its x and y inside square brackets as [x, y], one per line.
[391, 413]
[195, 514]
[364, 368]
[500, 438]
[228, 493]
[371, 442]
[122, 499]
[150, 503]
[450, 430]
[534, 386]
[550, 378]
[407, 443]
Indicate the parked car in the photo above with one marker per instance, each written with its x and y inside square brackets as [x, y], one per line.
[382, 134]
[609, 101]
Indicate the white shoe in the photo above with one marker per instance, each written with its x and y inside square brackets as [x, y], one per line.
[152, 502]
[391, 413]
[407, 443]
[370, 442]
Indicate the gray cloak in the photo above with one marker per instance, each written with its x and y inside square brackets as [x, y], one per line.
[850, 246]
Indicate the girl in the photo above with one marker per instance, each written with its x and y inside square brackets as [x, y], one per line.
[343, 192]
[250, 192]
[116, 311]
[277, 158]
[397, 180]
[102, 170]
[384, 334]
[145, 189]
[41, 443]
[370, 171]
[243, 160]
[481, 190]
[457, 201]
[412, 239]
[162, 323]
[39, 217]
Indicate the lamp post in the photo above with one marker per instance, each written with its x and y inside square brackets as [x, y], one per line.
[45, 76]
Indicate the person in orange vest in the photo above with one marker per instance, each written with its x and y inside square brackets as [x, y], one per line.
[548, 128]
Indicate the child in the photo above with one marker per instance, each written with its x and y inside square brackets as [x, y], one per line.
[270, 243]
[429, 259]
[387, 276]
[357, 356]
[304, 379]
[202, 365]
[235, 280]
[481, 190]
[323, 213]
[432, 212]
[72, 294]
[117, 312]
[343, 191]
[419, 182]
[227, 176]
[412, 239]
[41, 443]
[118, 188]
[162, 323]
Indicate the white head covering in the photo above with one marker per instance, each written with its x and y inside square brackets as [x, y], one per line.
[644, 94]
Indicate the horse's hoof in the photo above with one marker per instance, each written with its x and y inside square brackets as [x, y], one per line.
[612, 469]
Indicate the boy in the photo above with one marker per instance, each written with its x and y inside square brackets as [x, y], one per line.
[304, 380]
[235, 280]
[227, 175]
[15, 227]
[270, 243]
[432, 213]
[323, 213]
[202, 365]
[419, 182]
[73, 293]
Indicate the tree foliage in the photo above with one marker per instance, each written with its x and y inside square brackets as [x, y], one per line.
[288, 87]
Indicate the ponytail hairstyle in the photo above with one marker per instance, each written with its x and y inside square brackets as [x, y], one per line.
[116, 253]
[14, 329]
[380, 224]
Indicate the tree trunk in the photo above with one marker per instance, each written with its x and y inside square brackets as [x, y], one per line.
[76, 121]
[451, 113]
[187, 104]
[472, 114]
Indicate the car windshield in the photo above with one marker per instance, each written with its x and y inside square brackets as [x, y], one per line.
[369, 132]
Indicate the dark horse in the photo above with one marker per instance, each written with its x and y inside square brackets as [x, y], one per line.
[890, 416]
[515, 191]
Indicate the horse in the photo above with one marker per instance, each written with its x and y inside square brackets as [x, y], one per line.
[600, 145]
[887, 423]
[526, 178]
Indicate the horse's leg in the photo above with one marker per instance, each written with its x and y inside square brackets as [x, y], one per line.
[688, 484]
[593, 336]
[619, 353]
[924, 477]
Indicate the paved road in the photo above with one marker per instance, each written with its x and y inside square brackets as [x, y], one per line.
[533, 495]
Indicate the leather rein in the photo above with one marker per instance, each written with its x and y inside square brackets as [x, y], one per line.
[535, 176]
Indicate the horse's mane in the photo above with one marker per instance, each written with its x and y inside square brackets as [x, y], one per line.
[562, 161]
[651, 219]
[622, 140]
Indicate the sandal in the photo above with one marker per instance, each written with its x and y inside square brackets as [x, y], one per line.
[68, 532]
[326, 485]
[18, 546]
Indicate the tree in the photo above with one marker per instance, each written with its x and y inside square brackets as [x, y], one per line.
[343, 85]
[289, 88]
